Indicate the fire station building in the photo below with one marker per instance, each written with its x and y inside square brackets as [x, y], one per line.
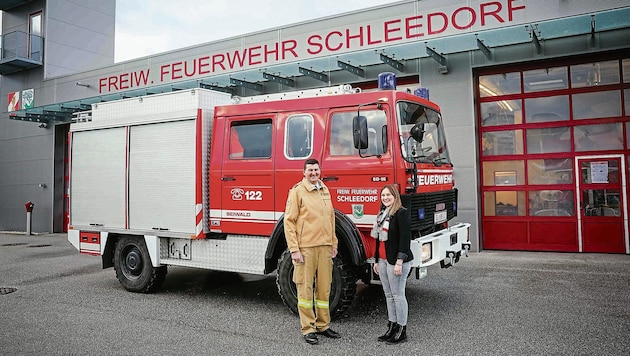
[535, 96]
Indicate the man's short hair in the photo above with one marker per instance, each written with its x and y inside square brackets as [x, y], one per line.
[310, 161]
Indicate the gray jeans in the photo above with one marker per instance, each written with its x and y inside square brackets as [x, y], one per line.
[394, 288]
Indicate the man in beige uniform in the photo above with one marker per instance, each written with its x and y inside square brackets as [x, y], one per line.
[309, 227]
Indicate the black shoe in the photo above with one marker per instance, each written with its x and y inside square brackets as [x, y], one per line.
[399, 336]
[389, 333]
[311, 338]
[330, 333]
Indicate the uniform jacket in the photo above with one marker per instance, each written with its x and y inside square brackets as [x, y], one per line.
[398, 244]
[309, 218]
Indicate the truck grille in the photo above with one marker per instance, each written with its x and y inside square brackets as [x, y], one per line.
[427, 202]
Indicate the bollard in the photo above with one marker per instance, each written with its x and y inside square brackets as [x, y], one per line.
[29, 210]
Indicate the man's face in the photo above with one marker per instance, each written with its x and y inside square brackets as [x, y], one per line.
[312, 173]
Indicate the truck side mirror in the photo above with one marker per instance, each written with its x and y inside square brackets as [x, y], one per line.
[360, 132]
[417, 132]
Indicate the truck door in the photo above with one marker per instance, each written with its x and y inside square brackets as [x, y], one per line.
[247, 179]
[355, 182]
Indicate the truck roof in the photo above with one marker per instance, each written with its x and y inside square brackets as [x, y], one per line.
[319, 102]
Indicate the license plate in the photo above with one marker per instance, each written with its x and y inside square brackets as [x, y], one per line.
[440, 217]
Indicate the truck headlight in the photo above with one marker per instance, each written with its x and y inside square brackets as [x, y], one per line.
[427, 252]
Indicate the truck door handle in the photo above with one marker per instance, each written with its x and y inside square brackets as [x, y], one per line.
[227, 179]
[328, 179]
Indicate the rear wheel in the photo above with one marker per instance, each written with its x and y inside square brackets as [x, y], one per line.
[133, 266]
[342, 291]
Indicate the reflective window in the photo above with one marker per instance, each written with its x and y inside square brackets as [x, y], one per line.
[298, 137]
[550, 171]
[503, 112]
[593, 74]
[545, 79]
[250, 139]
[509, 142]
[601, 202]
[505, 203]
[503, 173]
[551, 203]
[597, 104]
[598, 137]
[550, 139]
[626, 101]
[341, 142]
[547, 109]
[500, 84]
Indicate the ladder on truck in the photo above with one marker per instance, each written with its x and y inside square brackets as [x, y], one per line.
[307, 93]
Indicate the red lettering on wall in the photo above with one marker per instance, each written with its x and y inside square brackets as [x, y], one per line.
[237, 58]
[485, 11]
[124, 81]
[314, 41]
[289, 46]
[203, 64]
[430, 23]
[370, 41]
[329, 46]
[217, 61]
[471, 19]
[350, 37]
[512, 8]
[254, 52]
[409, 27]
[389, 29]
[273, 53]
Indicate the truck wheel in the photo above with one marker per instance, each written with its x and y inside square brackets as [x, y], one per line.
[342, 291]
[133, 266]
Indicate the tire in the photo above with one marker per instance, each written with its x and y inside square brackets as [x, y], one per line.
[133, 266]
[342, 291]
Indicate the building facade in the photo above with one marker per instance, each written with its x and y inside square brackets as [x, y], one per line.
[535, 96]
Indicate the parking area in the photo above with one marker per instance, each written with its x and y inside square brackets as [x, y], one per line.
[55, 301]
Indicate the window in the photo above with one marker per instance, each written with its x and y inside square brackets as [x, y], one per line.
[35, 32]
[341, 142]
[250, 139]
[341, 136]
[298, 137]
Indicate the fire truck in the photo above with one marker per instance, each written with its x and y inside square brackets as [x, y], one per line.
[198, 178]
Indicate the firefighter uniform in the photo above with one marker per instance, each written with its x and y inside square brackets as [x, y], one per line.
[309, 226]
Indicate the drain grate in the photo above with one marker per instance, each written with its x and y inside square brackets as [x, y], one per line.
[7, 290]
[14, 244]
[42, 245]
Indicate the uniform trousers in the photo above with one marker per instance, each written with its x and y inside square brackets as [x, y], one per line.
[317, 267]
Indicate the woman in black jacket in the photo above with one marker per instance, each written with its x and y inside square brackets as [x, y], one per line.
[393, 253]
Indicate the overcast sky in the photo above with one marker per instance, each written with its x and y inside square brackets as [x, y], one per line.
[146, 27]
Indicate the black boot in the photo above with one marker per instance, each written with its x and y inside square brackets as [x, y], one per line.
[389, 333]
[400, 335]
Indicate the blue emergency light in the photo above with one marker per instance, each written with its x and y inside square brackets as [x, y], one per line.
[387, 81]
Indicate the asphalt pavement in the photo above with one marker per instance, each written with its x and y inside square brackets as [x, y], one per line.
[54, 301]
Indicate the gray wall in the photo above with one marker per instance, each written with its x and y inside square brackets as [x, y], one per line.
[78, 36]
[85, 32]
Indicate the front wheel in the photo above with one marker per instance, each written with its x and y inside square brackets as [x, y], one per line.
[342, 290]
[133, 266]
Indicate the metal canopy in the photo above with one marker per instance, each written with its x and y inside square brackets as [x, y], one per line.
[311, 71]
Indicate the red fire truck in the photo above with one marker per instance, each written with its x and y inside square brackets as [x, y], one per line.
[197, 178]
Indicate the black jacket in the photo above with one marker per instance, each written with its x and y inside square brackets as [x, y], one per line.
[398, 244]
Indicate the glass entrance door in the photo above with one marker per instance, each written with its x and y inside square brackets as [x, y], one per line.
[601, 200]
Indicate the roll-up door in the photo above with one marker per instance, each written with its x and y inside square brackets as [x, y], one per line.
[162, 176]
[98, 178]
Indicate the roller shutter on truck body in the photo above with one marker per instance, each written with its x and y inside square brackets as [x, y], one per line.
[141, 164]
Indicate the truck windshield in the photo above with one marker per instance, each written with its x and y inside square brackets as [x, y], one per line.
[422, 138]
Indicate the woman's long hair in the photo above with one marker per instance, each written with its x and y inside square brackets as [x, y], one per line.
[397, 204]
